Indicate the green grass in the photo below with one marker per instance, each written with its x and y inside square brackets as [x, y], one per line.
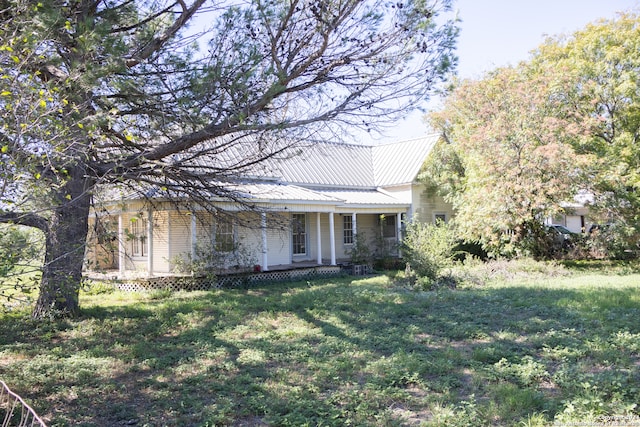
[549, 346]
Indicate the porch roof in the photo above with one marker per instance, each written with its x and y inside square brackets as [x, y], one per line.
[364, 197]
[278, 192]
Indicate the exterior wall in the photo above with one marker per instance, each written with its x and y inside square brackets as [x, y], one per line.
[576, 220]
[102, 243]
[278, 244]
[178, 236]
[161, 261]
[426, 206]
[404, 193]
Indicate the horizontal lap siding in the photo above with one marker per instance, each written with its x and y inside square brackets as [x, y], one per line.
[179, 234]
[427, 204]
[278, 241]
[161, 257]
[368, 230]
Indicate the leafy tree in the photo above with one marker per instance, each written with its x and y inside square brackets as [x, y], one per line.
[20, 253]
[95, 94]
[596, 72]
[18, 248]
[504, 162]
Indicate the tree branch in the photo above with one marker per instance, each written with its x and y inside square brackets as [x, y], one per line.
[157, 43]
[27, 219]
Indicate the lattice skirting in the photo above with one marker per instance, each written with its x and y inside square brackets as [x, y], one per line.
[189, 283]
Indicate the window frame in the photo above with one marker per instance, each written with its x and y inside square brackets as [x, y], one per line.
[224, 231]
[299, 234]
[388, 224]
[347, 230]
[440, 217]
[138, 237]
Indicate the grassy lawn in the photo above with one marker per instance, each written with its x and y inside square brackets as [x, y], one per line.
[533, 348]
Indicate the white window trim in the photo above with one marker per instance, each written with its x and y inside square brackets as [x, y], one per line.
[138, 237]
[234, 236]
[345, 229]
[306, 236]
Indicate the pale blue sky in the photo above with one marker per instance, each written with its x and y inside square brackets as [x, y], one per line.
[502, 32]
[497, 33]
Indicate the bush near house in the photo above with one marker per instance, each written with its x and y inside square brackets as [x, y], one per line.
[428, 250]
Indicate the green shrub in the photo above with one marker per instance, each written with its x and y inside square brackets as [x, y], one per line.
[428, 249]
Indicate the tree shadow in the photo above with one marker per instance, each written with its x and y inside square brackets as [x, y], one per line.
[285, 354]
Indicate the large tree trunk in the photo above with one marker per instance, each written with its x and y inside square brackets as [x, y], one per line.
[65, 248]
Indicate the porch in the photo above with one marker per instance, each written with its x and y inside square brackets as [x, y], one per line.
[149, 244]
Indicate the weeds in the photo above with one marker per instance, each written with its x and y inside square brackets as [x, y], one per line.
[532, 346]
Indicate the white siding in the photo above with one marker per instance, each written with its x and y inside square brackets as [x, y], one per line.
[278, 241]
[426, 205]
[179, 235]
[160, 243]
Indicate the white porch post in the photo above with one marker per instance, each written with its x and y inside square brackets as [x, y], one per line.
[194, 234]
[319, 239]
[121, 246]
[263, 229]
[332, 239]
[354, 227]
[399, 232]
[150, 242]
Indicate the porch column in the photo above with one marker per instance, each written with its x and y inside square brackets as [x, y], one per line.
[150, 242]
[332, 239]
[399, 233]
[121, 246]
[319, 239]
[263, 228]
[354, 227]
[194, 235]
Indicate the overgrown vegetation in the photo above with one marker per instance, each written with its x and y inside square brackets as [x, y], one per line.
[428, 249]
[523, 343]
[21, 251]
[521, 142]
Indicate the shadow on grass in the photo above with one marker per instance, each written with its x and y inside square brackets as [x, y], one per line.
[330, 353]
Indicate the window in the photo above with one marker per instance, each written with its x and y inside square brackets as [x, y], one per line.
[299, 234]
[138, 237]
[439, 218]
[388, 226]
[347, 232]
[224, 241]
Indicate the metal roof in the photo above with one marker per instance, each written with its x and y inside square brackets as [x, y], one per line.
[328, 164]
[355, 166]
[400, 162]
[334, 173]
[280, 192]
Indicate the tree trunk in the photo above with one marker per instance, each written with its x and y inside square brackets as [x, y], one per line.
[65, 248]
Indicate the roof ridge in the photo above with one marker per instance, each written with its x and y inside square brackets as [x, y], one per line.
[403, 141]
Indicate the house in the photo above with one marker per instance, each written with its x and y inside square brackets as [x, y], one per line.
[313, 208]
[576, 215]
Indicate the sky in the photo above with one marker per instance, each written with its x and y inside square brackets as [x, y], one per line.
[496, 33]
